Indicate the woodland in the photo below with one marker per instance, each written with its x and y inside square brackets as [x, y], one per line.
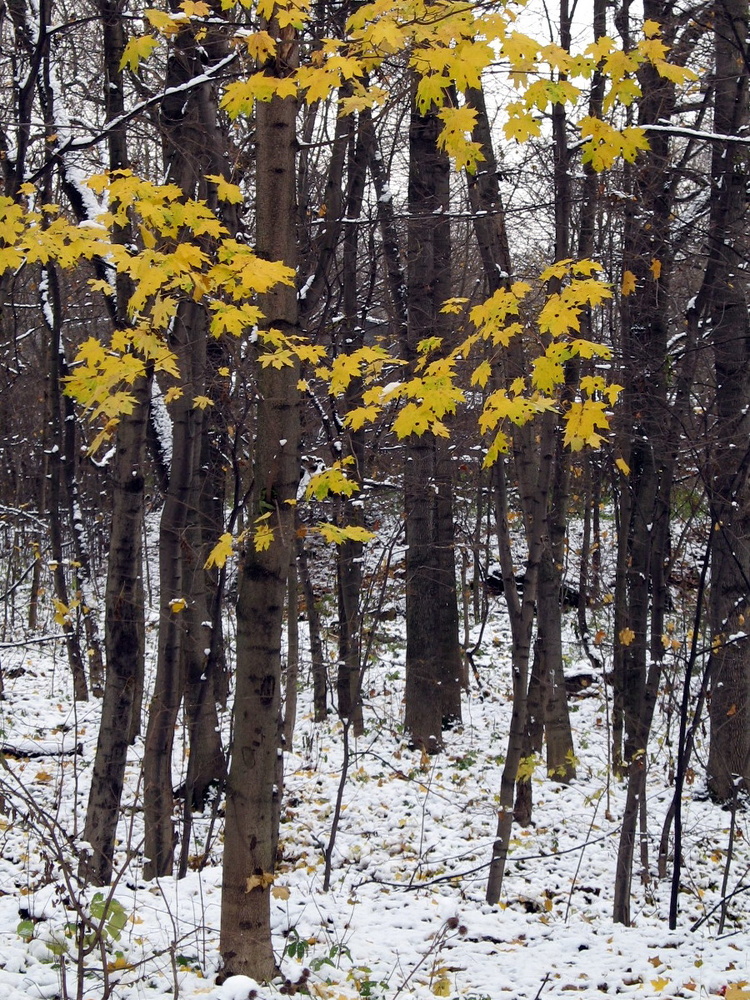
[374, 409]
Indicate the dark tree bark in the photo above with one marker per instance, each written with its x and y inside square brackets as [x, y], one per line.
[124, 635]
[729, 751]
[193, 147]
[648, 442]
[255, 776]
[350, 555]
[433, 655]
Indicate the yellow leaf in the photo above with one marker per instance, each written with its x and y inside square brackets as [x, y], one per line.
[260, 45]
[737, 991]
[521, 125]
[280, 892]
[43, 776]
[628, 283]
[623, 466]
[263, 534]
[220, 552]
[659, 984]
[583, 423]
[195, 8]
[442, 988]
[604, 144]
[454, 138]
[332, 480]
[201, 402]
[137, 50]
[119, 963]
[177, 604]
[336, 535]
[227, 192]
[261, 881]
[165, 23]
[455, 305]
[626, 636]
[172, 393]
[655, 268]
[62, 612]
[481, 374]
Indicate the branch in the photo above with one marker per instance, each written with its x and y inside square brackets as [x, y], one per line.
[72, 145]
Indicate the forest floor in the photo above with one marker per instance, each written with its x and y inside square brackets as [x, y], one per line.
[405, 915]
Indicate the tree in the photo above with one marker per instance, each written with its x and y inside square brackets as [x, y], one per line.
[255, 776]
[729, 755]
[433, 659]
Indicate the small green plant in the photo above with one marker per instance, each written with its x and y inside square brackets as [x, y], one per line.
[25, 930]
[110, 915]
[333, 958]
[364, 985]
[296, 947]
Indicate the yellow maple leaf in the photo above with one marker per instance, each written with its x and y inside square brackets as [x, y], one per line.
[628, 283]
[583, 422]
[195, 8]
[177, 604]
[280, 892]
[458, 124]
[737, 991]
[626, 636]
[136, 50]
[548, 373]
[165, 23]
[558, 316]
[62, 612]
[481, 374]
[227, 192]
[623, 466]
[521, 125]
[263, 534]
[336, 535]
[261, 881]
[660, 983]
[333, 480]
[201, 402]
[220, 552]
[655, 268]
[172, 393]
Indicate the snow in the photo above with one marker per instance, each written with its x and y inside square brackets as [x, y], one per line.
[405, 915]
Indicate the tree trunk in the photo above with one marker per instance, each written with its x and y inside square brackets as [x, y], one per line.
[433, 655]
[255, 776]
[124, 640]
[124, 631]
[729, 751]
[193, 147]
[649, 446]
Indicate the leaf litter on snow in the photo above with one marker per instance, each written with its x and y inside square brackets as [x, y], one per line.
[405, 915]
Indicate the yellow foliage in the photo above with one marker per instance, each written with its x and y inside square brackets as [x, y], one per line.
[333, 480]
[628, 283]
[263, 533]
[336, 535]
[136, 50]
[262, 881]
[220, 552]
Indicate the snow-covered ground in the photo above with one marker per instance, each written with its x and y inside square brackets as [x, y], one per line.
[405, 915]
